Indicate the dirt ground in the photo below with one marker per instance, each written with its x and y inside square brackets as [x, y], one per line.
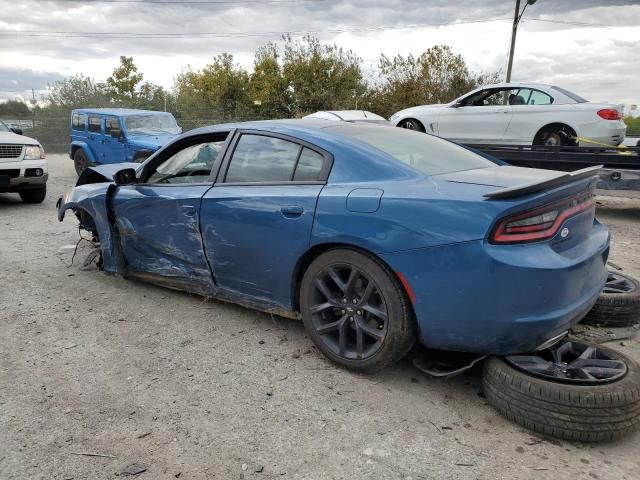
[91, 363]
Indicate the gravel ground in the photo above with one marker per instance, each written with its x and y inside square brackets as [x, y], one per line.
[190, 389]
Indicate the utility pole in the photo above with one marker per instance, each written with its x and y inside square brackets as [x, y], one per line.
[517, 16]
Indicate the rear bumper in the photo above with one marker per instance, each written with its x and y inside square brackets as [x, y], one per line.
[495, 299]
[609, 132]
[23, 175]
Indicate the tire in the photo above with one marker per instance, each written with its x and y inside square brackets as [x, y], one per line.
[412, 124]
[36, 195]
[616, 309]
[587, 413]
[387, 334]
[80, 161]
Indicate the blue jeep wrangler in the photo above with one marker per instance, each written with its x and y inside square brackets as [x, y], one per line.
[116, 135]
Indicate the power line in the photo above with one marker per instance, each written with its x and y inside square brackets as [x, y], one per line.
[71, 34]
[191, 2]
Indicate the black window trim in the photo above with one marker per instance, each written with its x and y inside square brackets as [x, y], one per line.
[324, 173]
[174, 148]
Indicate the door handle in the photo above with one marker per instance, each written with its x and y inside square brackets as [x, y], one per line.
[292, 211]
[189, 210]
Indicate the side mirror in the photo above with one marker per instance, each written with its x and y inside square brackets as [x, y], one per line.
[126, 176]
[17, 131]
[458, 104]
[117, 134]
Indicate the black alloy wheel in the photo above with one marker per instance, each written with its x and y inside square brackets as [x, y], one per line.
[572, 362]
[356, 311]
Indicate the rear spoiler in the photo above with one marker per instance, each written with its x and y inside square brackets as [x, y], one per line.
[527, 188]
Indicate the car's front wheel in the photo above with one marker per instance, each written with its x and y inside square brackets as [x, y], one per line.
[355, 310]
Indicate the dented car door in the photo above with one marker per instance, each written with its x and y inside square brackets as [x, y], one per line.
[158, 220]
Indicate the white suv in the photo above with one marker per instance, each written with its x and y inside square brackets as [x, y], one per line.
[23, 165]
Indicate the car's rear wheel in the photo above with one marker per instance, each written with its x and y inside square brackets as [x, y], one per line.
[619, 303]
[80, 161]
[412, 124]
[34, 195]
[573, 390]
[555, 136]
[355, 310]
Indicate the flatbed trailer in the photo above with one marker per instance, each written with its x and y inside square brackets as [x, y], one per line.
[621, 166]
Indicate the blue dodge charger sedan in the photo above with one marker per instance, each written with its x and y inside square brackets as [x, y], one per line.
[376, 237]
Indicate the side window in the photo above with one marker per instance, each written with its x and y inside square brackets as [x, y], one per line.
[192, 164]
[111, 125]
[262, 159]
[309, 166]
[539, 98]
[94, 124]
[79, 121]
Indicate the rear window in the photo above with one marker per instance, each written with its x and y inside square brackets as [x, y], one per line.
[572, 96]
[426, 153]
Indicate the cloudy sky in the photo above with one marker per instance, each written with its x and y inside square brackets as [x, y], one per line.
[589, 46]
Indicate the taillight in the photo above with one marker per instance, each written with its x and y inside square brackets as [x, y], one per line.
[541, 223]
[609, 114]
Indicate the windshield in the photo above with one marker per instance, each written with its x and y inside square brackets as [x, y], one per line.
[151, 123]
[572, 96]
[426, 153]
[3, 127]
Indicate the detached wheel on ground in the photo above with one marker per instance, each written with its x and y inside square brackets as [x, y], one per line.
[412, 124]
[355, 310]
[34, 195]
[619, 303]
[573, 390]
[80, 161]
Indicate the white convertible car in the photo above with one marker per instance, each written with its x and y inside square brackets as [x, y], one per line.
[519, 114]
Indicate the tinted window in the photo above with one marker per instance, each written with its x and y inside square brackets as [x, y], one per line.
[426, 153]
[94, 124]
[79, 121]
[309, 166]
[192, 164]
[262, 159]
[111, 124]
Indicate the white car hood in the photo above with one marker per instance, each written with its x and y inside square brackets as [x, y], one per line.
[15, 139]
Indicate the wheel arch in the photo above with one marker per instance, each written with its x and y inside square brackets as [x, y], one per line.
[314, 252]
[76, 145]
[413, 118]
[554, 126]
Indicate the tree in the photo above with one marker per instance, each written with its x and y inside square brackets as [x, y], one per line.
[14, 109]
[77, 91]
[436, 76]
[123, 82]
[218, 91]
[321, 76]
[268, 89]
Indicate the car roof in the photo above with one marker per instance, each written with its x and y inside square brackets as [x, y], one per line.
[291, 126]
[517, 84]
[346, 115]
[120, 112]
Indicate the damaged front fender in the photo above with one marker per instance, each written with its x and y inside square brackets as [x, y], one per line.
[89, 202]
